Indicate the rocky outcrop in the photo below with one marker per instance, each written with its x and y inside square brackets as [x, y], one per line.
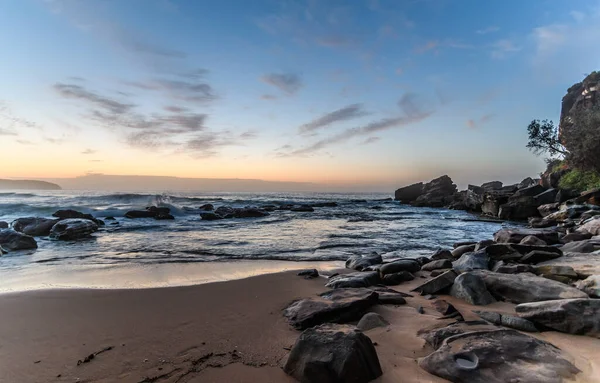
[573, 316]
[498, 357]
[409, 194]
[333, 354]
[13, 240]
[437, 193]
[34, 226]
[72, 229]
[27, 185]
[226, 212]
[581, 95]
[336, 306]
[69, 213]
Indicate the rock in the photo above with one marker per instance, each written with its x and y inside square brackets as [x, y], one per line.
[492, 185]
[207, 207]
[548, 209]
[390, 297]
[573, 316]
[590, 286]
[249, 212]
[410, 193]
[490, 316]
[163, 216]
[225, 212]
[370, 321]
[507, 321]
[456, 253]
[532, 240]
[3, 225]
[522, 288]
[501, 267]
[471, 261]
[437, 284]
[360, 279]
[463, 243]
[530, 191]
[422, 260]
[2, 251]
[492, 200]
[517, 235]
[546, 197]
[441, 254]
[397, 278]
[69, 213]
[435, 273]
[498, 357]
[437, 193]
[309, 273]
[484, 244]
[537, 256]
[34, 226]
[592, 226]
[13, 240]
[336, 306]
[471, 288]
[303, 208]
[525, 249]
[549, 271]
[584, 246]
[502, 252]
[360, 263]
[443, 307]
[133, 214]
[435, 265]
[518, 208]
[527, 182]
[210, 216]
[73, 228]
[333, 354]
[409, 265]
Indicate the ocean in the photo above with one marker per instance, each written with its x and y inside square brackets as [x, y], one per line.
[359, 224]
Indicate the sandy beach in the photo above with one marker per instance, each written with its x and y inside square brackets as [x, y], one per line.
[225, 331]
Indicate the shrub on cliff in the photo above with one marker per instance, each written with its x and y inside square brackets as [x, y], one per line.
[580, 180]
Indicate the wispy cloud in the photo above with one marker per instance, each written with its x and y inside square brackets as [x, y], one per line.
[344, 114]
[335, 41]
[74, 91]
[478, 123]
[289, 83]
[429, 45]
[268, 97]
[490, 29]
[89, 151]
[194, 89]
[370, 140]
[577, 15]
[502, 48]
[6, 132]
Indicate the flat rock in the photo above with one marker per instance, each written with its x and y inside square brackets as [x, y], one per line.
[590, 286]
[397, 278]
[592, 226]
[456, 253]
[471, 288]
[409, 265]
[370, 321]
[34, 226]
[441, 282]
[576, 236]
[73, 228]
[439, 264]
[336, 306]
[502, 252]
[532, 240]
[583, 246]
[511, 321]
[498, 356]
[333, 354]
[360, 263]
[309, 273]
[472, 261]
[12, 240]
[517, 235]
[558, 270]
[501, 267]
[525, 287]
[537, 256]
[573, 316]
[358, 279]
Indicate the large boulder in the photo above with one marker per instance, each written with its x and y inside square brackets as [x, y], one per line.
[397, 278]
[3, 225]
[592, 226]
[13, 240]
[409, 265]
[333, 354]
[437, 265]
[545, 198]
[410, 193]
[359, 279]
[437, 193]
[370, 321]
[70, 213]
[437, 284]
[516, 235]
[471, 261]
[584, 246]
[590, 286]
[72, 229]
[573, 316]
[525, 287]
[336, 306]
[34, 226]
[518, 208]
[460, 250]
[538, 256]
[360, 263]
[532, 240]
[471, 288]
[498, 356]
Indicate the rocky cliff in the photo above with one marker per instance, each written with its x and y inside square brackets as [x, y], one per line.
[582, 95]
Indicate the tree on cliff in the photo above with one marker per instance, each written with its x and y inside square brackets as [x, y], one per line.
[583, 139]
[543, 137]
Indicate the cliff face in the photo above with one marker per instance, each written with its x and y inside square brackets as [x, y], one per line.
[582, 95]
[27, 185]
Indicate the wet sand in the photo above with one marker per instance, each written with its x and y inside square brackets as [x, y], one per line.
[217, 332]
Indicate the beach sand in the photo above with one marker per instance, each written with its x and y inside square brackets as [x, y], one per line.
[230, 331]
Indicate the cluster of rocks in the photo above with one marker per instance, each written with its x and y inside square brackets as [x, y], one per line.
[158, 213]
[209, 213]
[520, 266]
[527, 199]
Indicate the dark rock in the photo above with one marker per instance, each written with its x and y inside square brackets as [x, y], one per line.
[502, 252]
[441, 254]
[163, 216]
[409, 265]
[531, 240]
[516, 235]
[501, 267]
[249, 212]
[359, 279]
[439, 283]
[210, 216]
[573, 316]
[207, 207]
[517, 323]
[309, 273]
[584, 246]
[524, 249]
[443, 307]
[471, 288]
[390, 297]
[410, 193]
[518, 208]
[590, 286]
[492, 185]
[483, 244]
[370, 321]
[498, 357]
[303, 208]
[492, 201]
[13, 240]
[73, 228]
[471, 261]
[541, 223]
[397, 278]
[3, 225]
[435, 265]
[336, 306]
[551, 271]
[225, 212]
[546, 197]
[463, 243]
[530, 191]
[140, 214]
[360, 263]
[435, 273]
[490, 316]
[109, 218]
[422, 260]
[333, 354]
[537, 256]
[436, 336]
[547, 209]
[522, 288]
[437, 193]
[34, 226]
[456, 253]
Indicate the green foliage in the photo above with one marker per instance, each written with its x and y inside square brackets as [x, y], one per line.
[580, 180]
[582, 139]
[543, 137]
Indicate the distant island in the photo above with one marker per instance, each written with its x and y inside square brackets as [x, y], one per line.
[27, 185]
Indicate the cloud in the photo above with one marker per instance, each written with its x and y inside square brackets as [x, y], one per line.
[89, 151]
[74, 91]
[193, 90]
[249, 135]
[206, 144]
[478, 123]
[370, 140]
[287, 82]
[11, 124]
[268, 97]
[175, 109]
[485, 31]
[6, 132]
[502, 48]
[25, 142]
[335, 41]
[136, 44]
[427, 46]
[95, 160]
[344, 114]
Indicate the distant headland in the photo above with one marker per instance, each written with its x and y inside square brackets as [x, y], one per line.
[27, 185]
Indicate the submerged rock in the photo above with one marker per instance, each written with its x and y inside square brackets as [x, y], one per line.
[73, 228]
[207, 207]
[336, 306]
[333, 354]
[34, 226]
[3, 225]
[13, 240]
[573, 316]
[498, 357]
[303, 208]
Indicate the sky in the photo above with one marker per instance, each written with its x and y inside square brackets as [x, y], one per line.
[378, 92]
